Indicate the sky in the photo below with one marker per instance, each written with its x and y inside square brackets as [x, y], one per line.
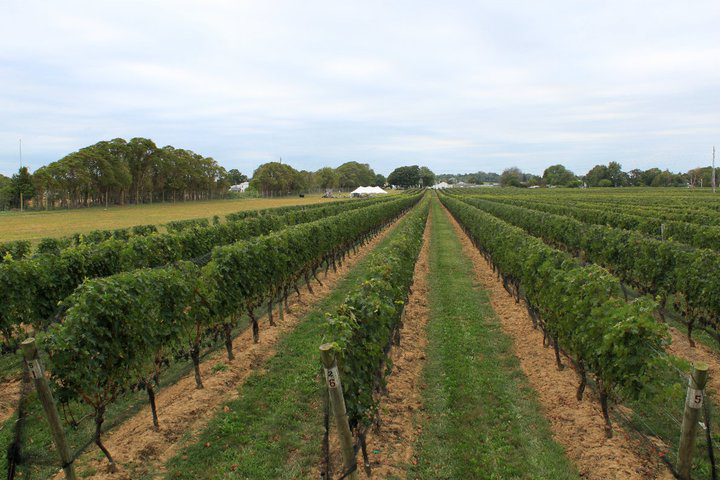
[458, 86]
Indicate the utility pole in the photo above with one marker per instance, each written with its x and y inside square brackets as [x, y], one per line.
[21, 193]
[713, 169]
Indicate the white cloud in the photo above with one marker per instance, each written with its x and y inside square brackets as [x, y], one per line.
[458, 86]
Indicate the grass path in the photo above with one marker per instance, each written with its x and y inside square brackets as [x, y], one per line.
[482, 420]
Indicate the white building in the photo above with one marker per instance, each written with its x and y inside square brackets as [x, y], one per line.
[240, 188]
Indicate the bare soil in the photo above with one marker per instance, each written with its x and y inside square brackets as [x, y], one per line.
[9, 397]
[184, 410]
[680, 347]
[394, 440]
[577, 425]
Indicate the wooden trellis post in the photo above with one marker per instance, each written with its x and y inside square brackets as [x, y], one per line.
[337, 404]
[48, 402]
[693, 407]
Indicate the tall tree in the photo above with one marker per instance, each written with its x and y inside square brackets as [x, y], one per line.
[558, 175]
[276, 178]
[427, 177]
[408, 176]
[307, 180]
[327, 178]
[141, 152]
[21, 186]
[235, 177]
[511, 177]
[596, 174]
[354, 174]
[612, 173]
[5, 192]
[616, 175]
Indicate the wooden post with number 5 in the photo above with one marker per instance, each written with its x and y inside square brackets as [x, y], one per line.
[46, 398]
[693, 406]
[337, 403]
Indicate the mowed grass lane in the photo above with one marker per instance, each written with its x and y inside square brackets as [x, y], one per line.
[482, 420]
[34, 225]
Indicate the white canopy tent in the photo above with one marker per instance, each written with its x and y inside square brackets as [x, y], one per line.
[368, 191]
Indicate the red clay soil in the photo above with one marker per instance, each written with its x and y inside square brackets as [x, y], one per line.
[680, 347]
[577, 425]
[183, 410]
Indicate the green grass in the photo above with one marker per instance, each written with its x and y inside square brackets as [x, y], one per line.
[274, 429]
[10, 366]
[482, 419]
[34, 225]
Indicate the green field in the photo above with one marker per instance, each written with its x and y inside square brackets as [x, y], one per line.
[34, 225]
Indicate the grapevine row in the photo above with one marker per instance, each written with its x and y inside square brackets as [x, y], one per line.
[363, 327]
[696, 215]
[18, 249]
[117, 329]
[700, 236]
[662, 268]
[31, 288]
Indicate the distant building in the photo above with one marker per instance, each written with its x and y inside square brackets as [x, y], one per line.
[240, 188]
[441, 185]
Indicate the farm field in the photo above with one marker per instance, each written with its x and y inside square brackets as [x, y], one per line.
[478, 333]
[34, 225]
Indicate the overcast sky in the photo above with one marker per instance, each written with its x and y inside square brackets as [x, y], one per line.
[457, 86]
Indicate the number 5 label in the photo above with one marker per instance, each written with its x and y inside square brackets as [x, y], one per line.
[694, 398]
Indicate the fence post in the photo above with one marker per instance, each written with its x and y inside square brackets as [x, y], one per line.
[337, 403]
[693, 406]
[281, 312]
[46, 398]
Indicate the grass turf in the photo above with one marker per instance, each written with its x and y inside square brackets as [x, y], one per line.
[34, 225]
[481, 419]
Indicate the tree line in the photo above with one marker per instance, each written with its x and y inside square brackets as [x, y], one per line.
[280, 178]
[610, 175]
[118, 172]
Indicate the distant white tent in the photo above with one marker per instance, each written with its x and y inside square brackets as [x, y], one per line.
[367, 191]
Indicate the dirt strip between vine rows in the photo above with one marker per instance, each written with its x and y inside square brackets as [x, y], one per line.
[9, 396]
[680, 347]
[183, 410]
[577, 425]
[394, 441]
